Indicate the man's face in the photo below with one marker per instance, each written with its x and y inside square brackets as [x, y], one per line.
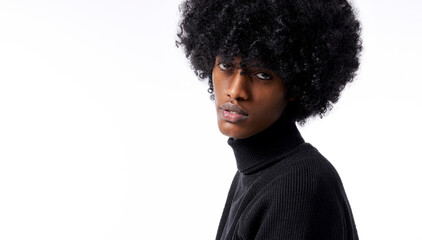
[246, 103]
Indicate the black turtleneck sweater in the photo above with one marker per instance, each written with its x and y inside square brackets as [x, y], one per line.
[284, 189]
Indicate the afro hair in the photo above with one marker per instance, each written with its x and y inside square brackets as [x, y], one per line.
[313, 45]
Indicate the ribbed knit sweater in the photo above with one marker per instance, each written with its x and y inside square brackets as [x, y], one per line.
[284, 189]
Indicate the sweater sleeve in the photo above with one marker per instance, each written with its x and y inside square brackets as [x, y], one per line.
[298, 206]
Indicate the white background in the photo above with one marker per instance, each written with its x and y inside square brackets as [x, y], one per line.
[105, 132]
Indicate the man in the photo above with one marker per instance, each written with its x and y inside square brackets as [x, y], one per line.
[270, 64]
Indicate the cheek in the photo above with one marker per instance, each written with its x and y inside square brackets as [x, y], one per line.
[219, 87]
[272, 101]
[271, 112]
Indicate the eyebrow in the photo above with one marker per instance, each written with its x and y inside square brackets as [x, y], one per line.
[251, 64]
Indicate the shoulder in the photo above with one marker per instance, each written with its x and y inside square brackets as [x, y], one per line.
[303, 166]
[303, 182]
[305, 196]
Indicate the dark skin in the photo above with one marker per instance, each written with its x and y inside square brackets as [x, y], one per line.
[248, 103]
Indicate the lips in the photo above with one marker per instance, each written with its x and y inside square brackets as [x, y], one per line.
[232, 113]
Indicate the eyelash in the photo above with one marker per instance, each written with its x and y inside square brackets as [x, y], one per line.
[220, 65]
[228, 66]
[268, 76]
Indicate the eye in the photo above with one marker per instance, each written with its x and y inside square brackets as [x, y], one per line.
[263, 76]
[225, 66]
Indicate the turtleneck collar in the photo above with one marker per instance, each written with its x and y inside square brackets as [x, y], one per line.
[267, 147]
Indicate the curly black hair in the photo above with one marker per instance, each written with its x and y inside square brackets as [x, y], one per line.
[314, 45]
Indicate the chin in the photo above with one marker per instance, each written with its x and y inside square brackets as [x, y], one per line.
[233, 131]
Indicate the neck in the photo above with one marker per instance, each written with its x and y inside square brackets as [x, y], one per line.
[267, 147]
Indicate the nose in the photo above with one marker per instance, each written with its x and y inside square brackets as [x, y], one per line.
[239, 86]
